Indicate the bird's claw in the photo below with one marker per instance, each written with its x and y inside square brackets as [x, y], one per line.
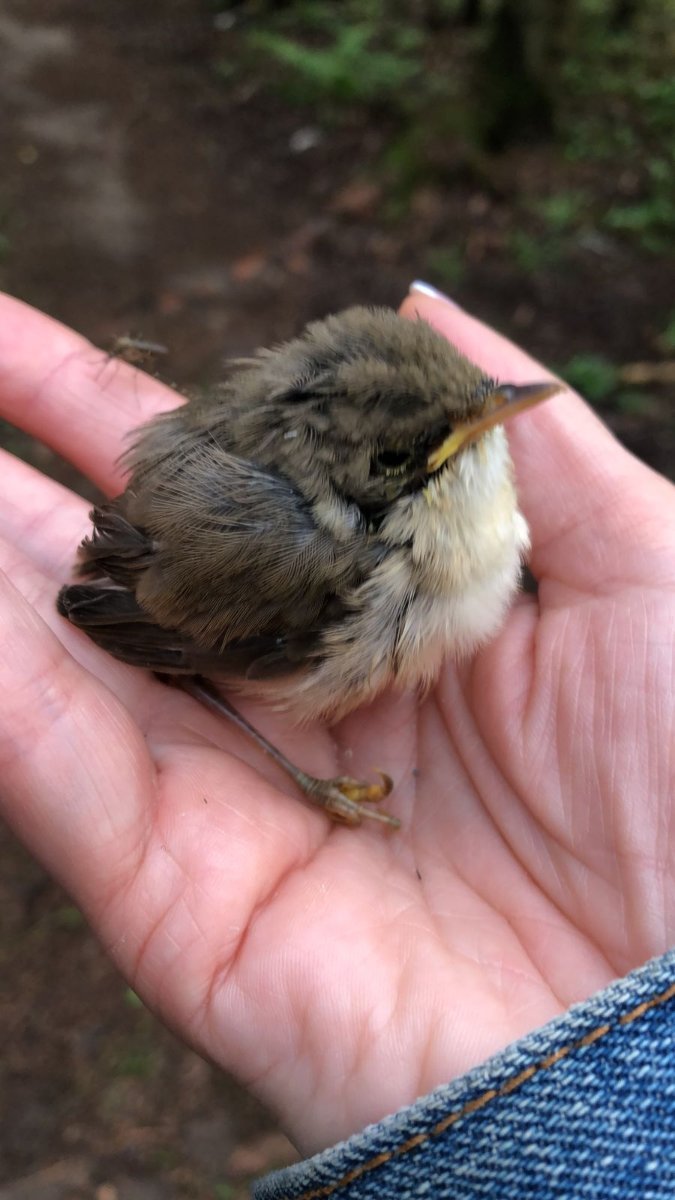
[346, 799]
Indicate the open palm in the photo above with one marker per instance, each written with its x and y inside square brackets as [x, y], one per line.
[341, 973]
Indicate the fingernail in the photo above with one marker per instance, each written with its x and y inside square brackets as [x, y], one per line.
[427, 289]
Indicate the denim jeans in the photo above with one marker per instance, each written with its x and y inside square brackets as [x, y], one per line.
[582, 1109]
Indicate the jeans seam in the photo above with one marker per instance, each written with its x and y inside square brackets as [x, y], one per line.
[479, 1102]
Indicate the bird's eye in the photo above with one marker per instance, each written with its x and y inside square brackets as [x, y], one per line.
[391, 462]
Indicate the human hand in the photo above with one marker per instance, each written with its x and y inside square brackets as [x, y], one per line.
[342, 973]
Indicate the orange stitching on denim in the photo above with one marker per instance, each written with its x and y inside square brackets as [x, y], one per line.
[473, 1106]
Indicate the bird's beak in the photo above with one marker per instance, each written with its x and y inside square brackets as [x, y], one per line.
[507, 400]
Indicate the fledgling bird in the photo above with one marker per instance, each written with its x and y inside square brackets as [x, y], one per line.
[339, 515]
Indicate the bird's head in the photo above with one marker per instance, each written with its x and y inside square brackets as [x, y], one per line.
[372, 407]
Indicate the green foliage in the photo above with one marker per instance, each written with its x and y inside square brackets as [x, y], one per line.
[445, 266]
[7, 222]
[563, 210]
[343, 54]
[667, 336]
[69, 917]
[164, 1158]
[535, 249]
[621, 109]
[604, 79]
[591, 374]
[406, 162]
[224, 1191]
[634, 404]
[651, 220]
[139, 1063]
[533, 253]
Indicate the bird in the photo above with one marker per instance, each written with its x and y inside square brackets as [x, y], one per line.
[338, 515]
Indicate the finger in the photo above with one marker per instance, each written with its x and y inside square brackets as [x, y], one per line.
[73, 765]
[58, 387]
[138, 690]
[45, 520]
[41, 524]
[597, 516]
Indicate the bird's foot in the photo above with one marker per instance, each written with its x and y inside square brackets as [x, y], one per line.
[343, 799]
[346, 800]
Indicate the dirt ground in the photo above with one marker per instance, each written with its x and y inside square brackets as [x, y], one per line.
[141, 195]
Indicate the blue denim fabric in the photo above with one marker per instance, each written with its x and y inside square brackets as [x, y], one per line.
[583, 1109]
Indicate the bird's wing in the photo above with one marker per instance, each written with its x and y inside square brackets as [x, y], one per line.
[113, 618]
[212, 563]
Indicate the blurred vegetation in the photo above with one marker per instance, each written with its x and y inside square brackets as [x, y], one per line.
[457, 82]
[667, 336]
[593, 375]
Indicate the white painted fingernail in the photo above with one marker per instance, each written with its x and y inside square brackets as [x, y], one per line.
[427, 289]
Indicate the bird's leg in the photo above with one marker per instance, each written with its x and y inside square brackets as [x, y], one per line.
[343, 799]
